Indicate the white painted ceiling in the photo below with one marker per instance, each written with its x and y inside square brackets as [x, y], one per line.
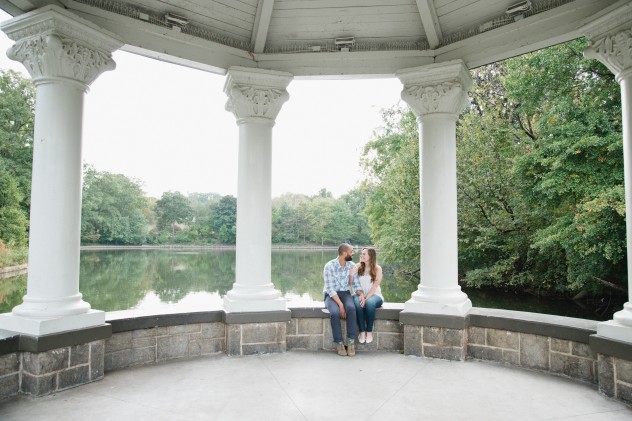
[298, 36]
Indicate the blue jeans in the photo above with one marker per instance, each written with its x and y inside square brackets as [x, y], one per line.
[366, 315]
[334, 316]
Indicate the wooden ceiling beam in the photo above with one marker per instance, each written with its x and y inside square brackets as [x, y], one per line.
[430, 21]
[262, 24]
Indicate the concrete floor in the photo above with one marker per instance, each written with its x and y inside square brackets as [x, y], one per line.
[322, 386]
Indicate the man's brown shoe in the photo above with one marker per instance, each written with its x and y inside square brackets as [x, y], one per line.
[351, 350]
[341, 350]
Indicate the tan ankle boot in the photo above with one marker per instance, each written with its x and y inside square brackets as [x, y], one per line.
[341, 350]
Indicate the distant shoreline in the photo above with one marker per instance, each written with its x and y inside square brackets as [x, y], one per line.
[201, 247]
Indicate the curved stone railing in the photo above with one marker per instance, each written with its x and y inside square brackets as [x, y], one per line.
[558, 345]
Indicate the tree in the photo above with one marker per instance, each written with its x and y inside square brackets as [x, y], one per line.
[17, 116]
[173, 209]
[224, 221]
[13, 222]
[113, 209]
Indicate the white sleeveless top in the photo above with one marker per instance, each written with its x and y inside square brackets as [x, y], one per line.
[365, 282]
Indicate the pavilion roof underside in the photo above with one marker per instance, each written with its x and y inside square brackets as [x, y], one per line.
[331, 37]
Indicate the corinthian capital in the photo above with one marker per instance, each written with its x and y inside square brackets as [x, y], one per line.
[436, 88]
[53, 43]
[610, 40]
[256, 93]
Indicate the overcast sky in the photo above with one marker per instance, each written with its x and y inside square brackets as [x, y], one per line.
[166, 126]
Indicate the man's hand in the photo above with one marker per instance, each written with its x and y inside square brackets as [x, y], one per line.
[362, 299]
[343, 312]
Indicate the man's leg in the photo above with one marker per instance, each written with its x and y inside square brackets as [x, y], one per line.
[334, 318]
[352, 327]
[359, 313]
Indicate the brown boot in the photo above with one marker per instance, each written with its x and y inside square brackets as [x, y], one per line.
[341, 350]
[351, 350]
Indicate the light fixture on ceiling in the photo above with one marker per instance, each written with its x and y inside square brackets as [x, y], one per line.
[176, 21]
[517, 11]
[344, 43]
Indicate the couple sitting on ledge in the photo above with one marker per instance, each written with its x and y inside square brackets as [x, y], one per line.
[352, 292]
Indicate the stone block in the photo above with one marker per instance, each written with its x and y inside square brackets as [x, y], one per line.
[486, 353]
[118, 342]
[560, 345]
[574, 367]
[45, 362]
[73, 377]
[623, 370]
[254, 333]
[476, 335]
[624, 392]
[269, 348]
[534, 351]
[388, 341]
[444, 353]
[453, 337]
[170, 347]
[511, 357]
[214, 330]
[412, 340]
[503, 339]
[582, 350]
[9, 364]
[292, 327]
[205, 346]
[117, 360]
[9, 385]
[79, 354]
[390, 326]
[432, 335]
[151, 332]
[144, 355]
[310, 326]
[144, 342]
[180, 329]
[305, 342]
[233, 340]
[38, 385]
[605, 371]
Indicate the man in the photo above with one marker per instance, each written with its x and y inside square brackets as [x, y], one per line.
[338, 298]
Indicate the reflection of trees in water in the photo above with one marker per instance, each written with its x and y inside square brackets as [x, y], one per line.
[11, 292]
[179, 273]
[114, 280]
[300, 271]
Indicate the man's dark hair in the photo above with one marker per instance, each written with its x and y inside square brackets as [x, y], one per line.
[343, 247]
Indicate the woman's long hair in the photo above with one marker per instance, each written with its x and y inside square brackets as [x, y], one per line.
[372, 264]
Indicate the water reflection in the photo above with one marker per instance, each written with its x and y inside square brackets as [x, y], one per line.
[173, 280]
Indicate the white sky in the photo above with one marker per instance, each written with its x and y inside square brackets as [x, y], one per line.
[166, 126]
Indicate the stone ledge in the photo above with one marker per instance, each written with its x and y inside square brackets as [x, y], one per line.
[257, 317]
[577, 330]
[124, 321]
[611, 347]
[433, 320]
[63, 339]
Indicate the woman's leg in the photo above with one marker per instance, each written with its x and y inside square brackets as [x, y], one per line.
[370, 305]
[359, 313]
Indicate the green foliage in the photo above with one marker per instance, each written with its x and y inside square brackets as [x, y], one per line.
[224, 221]
[392, 163]
[13, 222]
[173, 210]
[113, 210]
[539, 175]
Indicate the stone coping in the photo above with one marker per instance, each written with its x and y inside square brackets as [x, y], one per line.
[612, 347]
[566, 328]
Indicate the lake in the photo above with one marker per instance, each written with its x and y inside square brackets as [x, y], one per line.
[168, 280]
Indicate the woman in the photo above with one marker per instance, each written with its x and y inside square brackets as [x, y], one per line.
[369, 274]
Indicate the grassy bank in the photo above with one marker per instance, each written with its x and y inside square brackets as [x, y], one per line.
[13, 257]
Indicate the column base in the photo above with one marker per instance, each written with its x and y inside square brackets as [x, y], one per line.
[447, 301]
[620, 327]
[246, 298]
[48, 325]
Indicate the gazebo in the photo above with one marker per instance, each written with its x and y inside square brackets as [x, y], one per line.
[261, 46]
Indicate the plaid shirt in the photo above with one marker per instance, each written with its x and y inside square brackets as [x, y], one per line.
[337, 278]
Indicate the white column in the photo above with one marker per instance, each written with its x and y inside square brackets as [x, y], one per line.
[64, 55]
[437, 93]
[255, 97]
[610, 41]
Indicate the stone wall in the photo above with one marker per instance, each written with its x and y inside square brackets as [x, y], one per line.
[151, 345]
[9, 375]
[565, 357]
